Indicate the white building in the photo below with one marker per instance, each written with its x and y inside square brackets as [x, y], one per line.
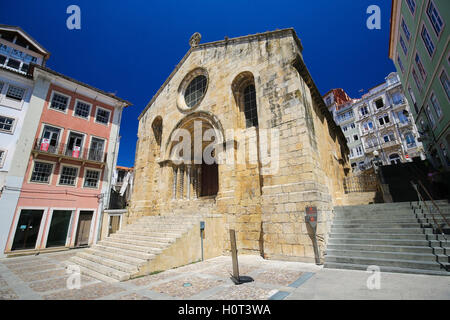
[17, 51]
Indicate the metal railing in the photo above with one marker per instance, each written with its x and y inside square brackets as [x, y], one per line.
[436, 226]
[361, 183]
[44, 146]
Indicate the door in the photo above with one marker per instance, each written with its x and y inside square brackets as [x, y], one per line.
[84, 228]
[59, 228]
[27, 229]
[209, 180]
[74, 145]
[49, 140]
[114, 224]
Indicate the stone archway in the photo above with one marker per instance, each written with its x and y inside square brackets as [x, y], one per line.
[191, 151]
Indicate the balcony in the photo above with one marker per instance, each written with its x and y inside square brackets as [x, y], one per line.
[390, 143]
[63, 151]
[371, 149]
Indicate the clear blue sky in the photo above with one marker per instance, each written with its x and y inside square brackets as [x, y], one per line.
[131, 47]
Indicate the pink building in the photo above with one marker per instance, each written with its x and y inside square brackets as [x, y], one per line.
[67, 181]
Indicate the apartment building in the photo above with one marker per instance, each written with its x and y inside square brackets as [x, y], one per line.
[59, 181]
[387, 131]
[378, 126]
[419, 48]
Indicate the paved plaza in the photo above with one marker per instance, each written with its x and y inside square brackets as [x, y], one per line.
[44, 277]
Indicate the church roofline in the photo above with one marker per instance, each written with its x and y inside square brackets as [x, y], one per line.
[226, 41]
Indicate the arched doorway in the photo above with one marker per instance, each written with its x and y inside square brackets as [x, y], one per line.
[394, 158]
[192, 151]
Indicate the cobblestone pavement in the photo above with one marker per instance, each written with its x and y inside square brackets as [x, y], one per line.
[44, 277]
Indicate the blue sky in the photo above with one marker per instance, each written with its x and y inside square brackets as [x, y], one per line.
[131, 47]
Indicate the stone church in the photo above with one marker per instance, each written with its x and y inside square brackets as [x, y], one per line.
[249, 104]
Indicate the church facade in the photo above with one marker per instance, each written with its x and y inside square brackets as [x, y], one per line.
[239, 133]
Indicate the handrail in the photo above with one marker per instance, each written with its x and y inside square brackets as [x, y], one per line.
[421, 199]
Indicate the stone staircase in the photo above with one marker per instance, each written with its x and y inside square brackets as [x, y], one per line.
[397, 237]
[127, 253]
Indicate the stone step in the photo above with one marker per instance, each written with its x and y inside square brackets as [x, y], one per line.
[151, 234]
[165, 240]
[354, 235]
[131, 247]
[416, 230]
[124, 252]
[117, 256]
[337, 221]
[383, 242]
[100, 269]
[164, 228]
[374, 216]
[141, 243]
[383, 255]
[376, 225]
[411, 264]
[114, 264]
[380, 248]
[335, 265]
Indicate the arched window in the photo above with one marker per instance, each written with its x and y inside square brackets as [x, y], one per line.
[251, 114]
[157, 129]
[244, 91]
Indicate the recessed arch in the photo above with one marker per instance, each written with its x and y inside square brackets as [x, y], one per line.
[244, 92]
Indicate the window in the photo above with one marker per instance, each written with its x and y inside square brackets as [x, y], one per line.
[13, 64]
[427, 41]
[195, 91]
[400, 63]
[416, 79]
[413, 98]
[344, 128]
[412, 5]
[410, 140]
[445, 83]
[389, 137]
[68, 176]
[82, 109]
[379, 103]
[352, 125]
[49, 139]
[328, 101]
[1, 86]
[251, 114]
[397, 98]
[41, 172]
[6, 124]
[359, 151]
[102, 116]
[384, 120]
[355, 137]
[2, 59]
[419, 64]
[348, 139]
[406, 30]
[430, 116]
[436, 105]
[2, 157]
[15, 93]
[368, 126]
[74, 145]
[435, 18]
[59, 102]
[364, 111]
[24, 67]
[96, 150]
[91, 178]
[401, 117]
[402, 43]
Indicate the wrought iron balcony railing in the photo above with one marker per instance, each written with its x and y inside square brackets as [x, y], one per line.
[45, 146]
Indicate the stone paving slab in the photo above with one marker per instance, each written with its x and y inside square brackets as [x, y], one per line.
[44, 277]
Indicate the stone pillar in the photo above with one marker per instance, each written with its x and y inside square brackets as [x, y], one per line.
[181, 183]
[174, 183]
[188, 182]
[199, 181]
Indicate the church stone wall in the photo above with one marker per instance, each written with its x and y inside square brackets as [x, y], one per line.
[266, 210]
